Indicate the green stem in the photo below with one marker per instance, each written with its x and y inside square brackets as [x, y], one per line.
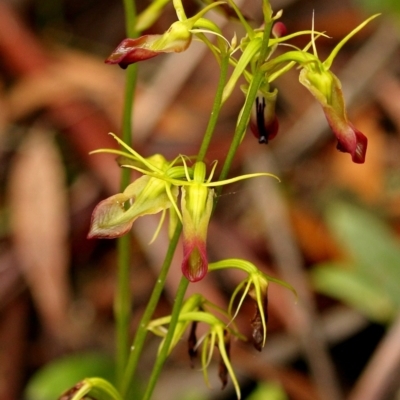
[180, 11]
[122, 305]
[130, 18]
[216, 107]
[141, 333]
[122, 302]
[248, 105]
[163, 354]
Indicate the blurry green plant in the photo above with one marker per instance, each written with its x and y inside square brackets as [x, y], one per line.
[369, 280]
[390, 6]
[62, 374]
[268, 391]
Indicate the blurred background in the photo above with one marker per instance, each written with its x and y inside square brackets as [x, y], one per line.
[330, 228]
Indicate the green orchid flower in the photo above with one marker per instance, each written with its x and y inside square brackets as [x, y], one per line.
[196, 206]
[316, 76]
[255, 286]
[250, 47]
[193, 313]
[156, 191]
[114, 216]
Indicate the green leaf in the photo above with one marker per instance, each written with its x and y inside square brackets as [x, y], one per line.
[150, 15]
[390, 6]
[349, 286]
[60, 375]
[371, 245]
[247, 56]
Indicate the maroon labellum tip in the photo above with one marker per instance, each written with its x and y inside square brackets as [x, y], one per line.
[279, 29]
[195, 262]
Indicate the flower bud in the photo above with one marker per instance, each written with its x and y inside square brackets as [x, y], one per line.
[279, 29]
[129, 51]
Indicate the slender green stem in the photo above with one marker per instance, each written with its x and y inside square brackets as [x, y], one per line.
[249, 102]
[163, 354]
[130, 18]
[141, 333]
[216, 107]
[122, 303]
[180, 11]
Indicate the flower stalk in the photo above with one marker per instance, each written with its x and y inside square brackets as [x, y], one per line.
[141, 333]
[123, 298]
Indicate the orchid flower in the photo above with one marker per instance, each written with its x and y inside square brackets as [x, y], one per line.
[264, 123]
[196, 206]
[256, 286]
[218, 335]
[196, 302]
[175, 40]
[157, 191]
[114, 216]
[326, 88]
[250, 47]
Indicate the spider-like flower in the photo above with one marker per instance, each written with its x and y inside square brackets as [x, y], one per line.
[195, 311]
[255, 286]
[350, 139]
[316, 76]
[150, 194]
[156, 191]
[196, 206]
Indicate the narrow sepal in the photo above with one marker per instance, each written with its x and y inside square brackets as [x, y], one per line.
[258, 334]
[192, 343]
[223, 372]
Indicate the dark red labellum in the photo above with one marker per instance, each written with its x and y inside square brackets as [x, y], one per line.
[256, 324]
[263, 122]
